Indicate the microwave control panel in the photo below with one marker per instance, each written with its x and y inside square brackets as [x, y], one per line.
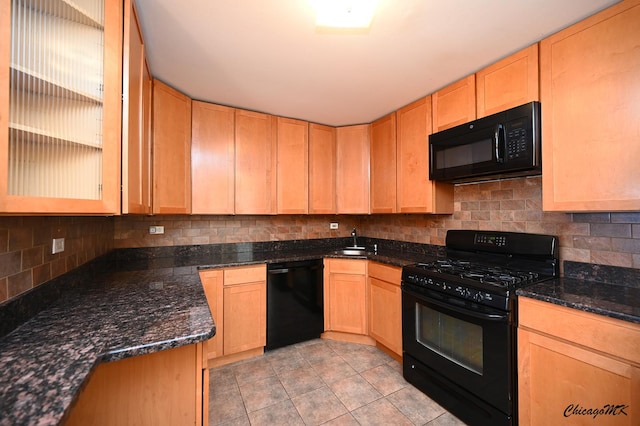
[516, 141]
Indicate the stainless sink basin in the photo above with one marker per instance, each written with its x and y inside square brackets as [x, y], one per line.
[352, 251]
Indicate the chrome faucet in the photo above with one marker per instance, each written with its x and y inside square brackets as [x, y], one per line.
[355, 238]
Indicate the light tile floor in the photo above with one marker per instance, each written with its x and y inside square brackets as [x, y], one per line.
[320, 382]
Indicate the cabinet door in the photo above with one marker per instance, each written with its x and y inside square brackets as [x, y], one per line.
[570, 359]
[383, 165]
[160, 388]
[589, 80]
[508, 83]
[322, 169]
[212, 159]
[245, 317]
[454, 104]
[136, 148]
[171, 150]
[60, 107]
[255, 163]
[557, 380]
[415, 192]
[345, 307]
[385, 306]
[293, 166]
[352, 173]
[212, 282]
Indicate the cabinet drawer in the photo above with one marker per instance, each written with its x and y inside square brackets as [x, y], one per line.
[347, 266]
[390, 274]
[245, 274]
[608, 335]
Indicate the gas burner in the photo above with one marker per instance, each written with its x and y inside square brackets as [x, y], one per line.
[488, 274]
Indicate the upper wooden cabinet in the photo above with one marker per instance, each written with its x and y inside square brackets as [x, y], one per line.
[590, 94]
[322, 169]
[136, 108]
[415, 192]
[212, 159]
[293, 166]
[352, 173]
[60, 107]
[383, 165]
[454, 104]
[255, 163]
[171, 150]
[508, 83]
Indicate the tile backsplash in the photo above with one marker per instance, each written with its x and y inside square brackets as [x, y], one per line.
[25, 248]
[516, 205]
[507, 205]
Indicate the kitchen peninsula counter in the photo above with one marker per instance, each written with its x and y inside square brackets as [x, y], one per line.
[122, 312]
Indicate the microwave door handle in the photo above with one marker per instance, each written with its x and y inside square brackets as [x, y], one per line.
[499, 140]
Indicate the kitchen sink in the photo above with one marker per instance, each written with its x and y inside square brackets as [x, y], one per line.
[352, 251]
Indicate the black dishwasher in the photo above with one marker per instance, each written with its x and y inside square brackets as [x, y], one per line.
[294, 302]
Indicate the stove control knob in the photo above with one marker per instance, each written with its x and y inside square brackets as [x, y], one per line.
[478, 297]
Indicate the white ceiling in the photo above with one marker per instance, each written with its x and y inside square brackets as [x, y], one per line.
[266, 55]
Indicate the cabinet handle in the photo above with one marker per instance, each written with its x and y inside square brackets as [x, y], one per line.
[500, 143]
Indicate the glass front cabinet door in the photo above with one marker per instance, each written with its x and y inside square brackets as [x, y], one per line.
[60, 106]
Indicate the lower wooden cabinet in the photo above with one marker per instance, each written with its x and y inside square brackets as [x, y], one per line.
[345, 306]
[576, 367]
[385, 305]
[212, 282]
[237, 298]
[169, 387]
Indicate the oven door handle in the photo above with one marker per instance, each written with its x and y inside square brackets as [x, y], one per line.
[503, 316]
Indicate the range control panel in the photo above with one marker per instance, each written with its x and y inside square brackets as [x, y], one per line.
[491, 240]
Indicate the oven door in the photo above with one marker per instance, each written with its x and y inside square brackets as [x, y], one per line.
[464, 349]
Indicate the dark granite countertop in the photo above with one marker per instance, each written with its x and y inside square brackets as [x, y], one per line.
[46, 360]
[146, 300]
[604, 290]
[141, 301]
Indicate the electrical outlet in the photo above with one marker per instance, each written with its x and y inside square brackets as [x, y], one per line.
[57, 246]
[333, 225]
[156, 229]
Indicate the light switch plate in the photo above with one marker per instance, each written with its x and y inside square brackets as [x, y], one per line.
[333, 225]
[156, 229]
[57, 245]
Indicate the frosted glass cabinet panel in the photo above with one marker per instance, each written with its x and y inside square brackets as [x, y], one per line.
[61, 143]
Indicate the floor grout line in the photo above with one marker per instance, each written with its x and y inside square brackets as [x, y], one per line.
[401, 405]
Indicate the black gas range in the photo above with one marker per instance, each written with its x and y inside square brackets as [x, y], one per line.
[459, 320]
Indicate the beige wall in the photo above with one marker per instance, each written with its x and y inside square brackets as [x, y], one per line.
[508, 205]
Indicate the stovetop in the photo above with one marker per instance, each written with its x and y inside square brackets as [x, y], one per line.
[487, 267]
[483, 273]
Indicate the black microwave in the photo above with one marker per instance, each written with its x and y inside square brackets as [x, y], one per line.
[506, 144]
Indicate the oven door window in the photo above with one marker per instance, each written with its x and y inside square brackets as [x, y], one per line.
[455, 339]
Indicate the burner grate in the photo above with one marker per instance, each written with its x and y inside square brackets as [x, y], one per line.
[488, 274]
